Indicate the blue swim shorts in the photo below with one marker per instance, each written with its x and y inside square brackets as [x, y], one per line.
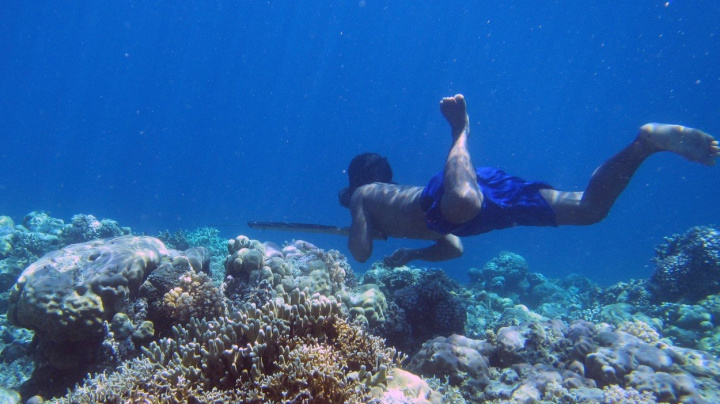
[507, 201]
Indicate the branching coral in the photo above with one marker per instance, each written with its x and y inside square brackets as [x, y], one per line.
[292, 349]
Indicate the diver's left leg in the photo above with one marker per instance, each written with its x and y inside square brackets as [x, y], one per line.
[462, 198]
[611, 178]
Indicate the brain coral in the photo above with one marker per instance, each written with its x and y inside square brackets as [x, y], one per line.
[367, 303]
[68, 293]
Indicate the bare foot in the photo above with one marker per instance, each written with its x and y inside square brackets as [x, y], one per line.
[455, 112]
[693, 144]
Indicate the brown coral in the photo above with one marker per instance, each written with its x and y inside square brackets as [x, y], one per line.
[195, 297]
[68, 294]
[292, 349]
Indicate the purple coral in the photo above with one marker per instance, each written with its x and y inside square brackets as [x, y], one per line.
[431, 307]
[688, 266]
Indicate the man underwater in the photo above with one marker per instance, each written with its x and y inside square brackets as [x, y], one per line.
[463, 200]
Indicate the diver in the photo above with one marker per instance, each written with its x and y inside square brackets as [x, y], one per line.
[463, 200]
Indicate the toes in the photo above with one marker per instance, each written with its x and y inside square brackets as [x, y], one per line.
[446, 102]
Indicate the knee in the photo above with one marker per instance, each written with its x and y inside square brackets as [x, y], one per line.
[461, 207]
[456, 252]
[592, 216]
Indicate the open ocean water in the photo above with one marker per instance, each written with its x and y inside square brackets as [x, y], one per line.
[169, 115]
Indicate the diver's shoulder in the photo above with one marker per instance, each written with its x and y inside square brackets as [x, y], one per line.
[384, 194]
[386, 187]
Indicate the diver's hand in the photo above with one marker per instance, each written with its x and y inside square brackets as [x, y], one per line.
[400, 257]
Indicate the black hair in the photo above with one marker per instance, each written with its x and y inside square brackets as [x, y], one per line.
[365, 169]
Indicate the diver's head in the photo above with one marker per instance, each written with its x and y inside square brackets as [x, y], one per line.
[365, 169]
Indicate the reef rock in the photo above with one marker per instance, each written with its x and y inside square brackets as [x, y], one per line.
[69, 293]
[456, 358]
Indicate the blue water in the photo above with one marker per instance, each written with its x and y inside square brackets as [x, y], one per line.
[168, 115]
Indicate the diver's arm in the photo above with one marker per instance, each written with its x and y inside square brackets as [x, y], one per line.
[360, 241]
[445, 248]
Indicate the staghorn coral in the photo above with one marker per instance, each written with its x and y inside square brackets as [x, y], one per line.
[195, 297]
[292, 349]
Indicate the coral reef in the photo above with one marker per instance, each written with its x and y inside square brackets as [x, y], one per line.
[550, 361]
[687, 266]
[195, 297]
[367, 303]
[432, 307]
[68, 294]
[505, 282]
[84, 228]
[257, 272]
[206, 237]
[293, 349]
[292, 324]
[41, 222]
[20, 245]
[460, 360]
[390, 280]
[15, 365]
[91, 305]
[506, 274]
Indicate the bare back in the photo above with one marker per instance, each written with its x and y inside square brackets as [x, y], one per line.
[393, 210]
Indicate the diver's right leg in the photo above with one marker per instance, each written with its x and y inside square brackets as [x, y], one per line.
[462, 198]
[611, 178]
